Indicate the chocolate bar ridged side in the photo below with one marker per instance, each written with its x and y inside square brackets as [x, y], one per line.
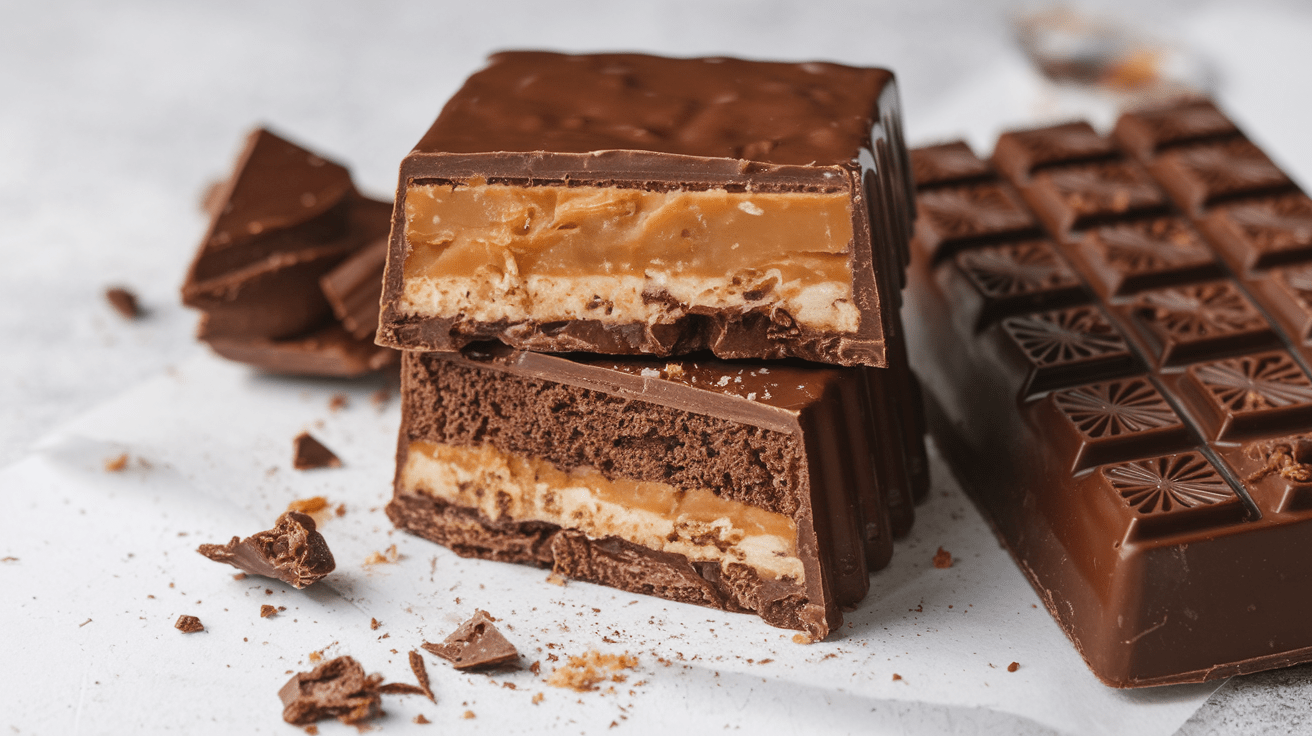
[571, 424]
[1120, 391]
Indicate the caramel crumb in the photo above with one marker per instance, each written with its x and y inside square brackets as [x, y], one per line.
[378, 558]
[896, 677]
[312, 729]
[942, 559]
[800, 638]
[373, 624]
[421, 720]
[266, 611]
[341, 509]
[469, 714]
[239, 576]
[584, 673]
[536, 667]
[1013, 666]
[674, 370]
[338, 402]
[537, 698]
[308, 505]
[116, 464]
[555, 579]
[189, 624]
[316, 657]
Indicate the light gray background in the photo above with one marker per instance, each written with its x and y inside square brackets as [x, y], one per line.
[113, 118]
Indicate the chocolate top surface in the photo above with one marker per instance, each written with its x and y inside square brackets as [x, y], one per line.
[767, 393]
[812, 113]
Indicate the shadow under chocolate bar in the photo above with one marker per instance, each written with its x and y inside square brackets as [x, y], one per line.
[628, 204]
[1114, 345]
[747, 486]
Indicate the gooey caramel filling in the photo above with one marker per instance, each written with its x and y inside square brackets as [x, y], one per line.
[495, 252]
[694, 523]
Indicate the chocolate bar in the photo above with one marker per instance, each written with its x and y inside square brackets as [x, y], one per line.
[1115, 355]
[627, 204]
[746, 486]
[282, 227]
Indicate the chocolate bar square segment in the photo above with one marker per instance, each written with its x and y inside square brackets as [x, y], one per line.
[1184, 324]
[1131, 256]
[1145, 133]
[629, 204]
[1262, 233]
[1080, 196]
[1198, 177]
[1019, 154]
[948, 163]
[740, 486]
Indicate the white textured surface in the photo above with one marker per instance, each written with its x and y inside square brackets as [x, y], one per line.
[114, 118]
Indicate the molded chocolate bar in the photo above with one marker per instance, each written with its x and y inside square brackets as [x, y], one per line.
[627, 204]
[283, 222]
[746, 486]
[1120, 378]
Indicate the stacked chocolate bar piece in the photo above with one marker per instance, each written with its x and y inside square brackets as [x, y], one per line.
[648, 310]
[1113, 333]
[288, 273]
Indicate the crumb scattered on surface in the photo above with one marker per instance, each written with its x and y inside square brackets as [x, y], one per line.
[188, 624]
[536, 667]
[267, 610]
[308, 505]
[116, 464]
[421, 720]
[1013, 666]
[802, 639]
[537, 698]
[469, 714]
[378, 558]
[8, 559]
[239, 576]
[583, 673]
[309, 453]
[555, 579]
[312, 729]
[373, 624]
[896, 677]
[381, 396]
[942, 559]
[421, 673]
[124, 302]
[84, 623]
[338, 402]
[341, 509]
[316, 657]
[338, 689]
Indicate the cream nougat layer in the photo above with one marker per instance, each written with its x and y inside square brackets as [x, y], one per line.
[694, 523]
[490, 252]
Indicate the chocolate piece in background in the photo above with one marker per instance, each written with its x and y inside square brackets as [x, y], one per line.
[476, 644]
[338, 688]
[1127, 396]
[740, 143]
[285, 219]
[188, 624]
[292, 551]
[311, 454]
[353, 289]
[746, 486]
[124, 302]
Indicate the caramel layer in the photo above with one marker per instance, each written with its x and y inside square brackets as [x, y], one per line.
[694, 523]
[495, 252]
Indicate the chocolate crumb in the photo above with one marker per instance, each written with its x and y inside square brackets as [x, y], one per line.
[84, 623]
[310, 454]
[942, 559]
[338, 402]
[268, 591]
[116, 464]
[267, 611]
[124, 302]
[341, 509]
[338, 688]
[380, 397]
[583, 673]
[536, 667]
[896, 677]
[421, 720]
[189, 624]
[8, 559]
[1013, 666]
[476, 644]
[292, 551]
[373, 624]
[421, 673]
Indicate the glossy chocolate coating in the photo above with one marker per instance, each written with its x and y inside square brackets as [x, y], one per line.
[838, 501]
[1126, 392]
[627, 120]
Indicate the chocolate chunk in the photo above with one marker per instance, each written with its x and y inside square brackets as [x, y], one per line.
[124, 302]
[267, 611]
[1141, 442]
[337, 689]
[310, 454]
[476, 644]
[655, 205]
[189, 624]
[742, 486]
[292, 551]
[421, 673]
[285, 218]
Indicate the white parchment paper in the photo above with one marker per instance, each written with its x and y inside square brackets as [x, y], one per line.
[106, 563]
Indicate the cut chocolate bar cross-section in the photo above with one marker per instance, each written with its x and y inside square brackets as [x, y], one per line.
[626, 204]
[743, 486]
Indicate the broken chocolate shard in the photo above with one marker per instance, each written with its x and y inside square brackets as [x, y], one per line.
[285, 219]
[338, 688]
[266, 611]
[400, 688]
[292, 551]
[310, 454]
[189, 624]
[421, 673]
[771, 222]
[475, 645]
[124, 302]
